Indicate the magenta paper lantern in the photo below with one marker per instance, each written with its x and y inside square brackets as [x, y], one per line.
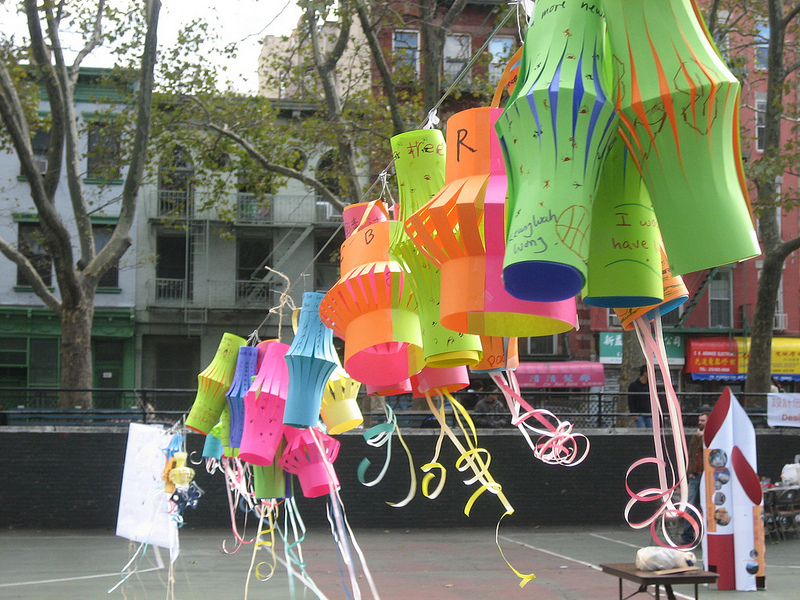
[264, 404]
[303, 458]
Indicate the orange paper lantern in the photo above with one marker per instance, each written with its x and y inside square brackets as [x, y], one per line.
[461, 231]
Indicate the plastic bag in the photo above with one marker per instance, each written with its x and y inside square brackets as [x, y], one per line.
[656, 558]
[790, 474]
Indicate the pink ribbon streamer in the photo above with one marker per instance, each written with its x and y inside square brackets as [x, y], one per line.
[557, 444]
[669, 480]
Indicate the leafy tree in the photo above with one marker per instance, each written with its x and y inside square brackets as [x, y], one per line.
[332, 90]
[42, 63]
[741, 22]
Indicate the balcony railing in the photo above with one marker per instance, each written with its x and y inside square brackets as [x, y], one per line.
[252, 293]
[170, 290]
[251, 210]
[174, 203]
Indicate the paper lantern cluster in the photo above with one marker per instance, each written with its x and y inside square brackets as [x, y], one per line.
[613, 169]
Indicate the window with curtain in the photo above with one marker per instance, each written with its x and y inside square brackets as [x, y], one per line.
[457, 52]
[720, 300]
[30, 242]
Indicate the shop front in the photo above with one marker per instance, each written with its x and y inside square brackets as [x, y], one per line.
[724, 359]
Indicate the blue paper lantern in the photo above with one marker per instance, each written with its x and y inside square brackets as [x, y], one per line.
[311, 359]
[245, 370]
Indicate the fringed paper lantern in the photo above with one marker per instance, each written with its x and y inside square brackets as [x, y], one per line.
[212, 384]
[212, 447]
[264, 405]
[678, 104]
[461, 231]
[395, 389]
[554, 133]
[180, 474]
[362, 215]
[311, 359]
[372, 307]
[340, 411]
[624, 250]
[499, 354]
[272, 481]
[438, 381]
[303, 458]
[675, 294]
[222, 431]
[245, 370]
[419, 163]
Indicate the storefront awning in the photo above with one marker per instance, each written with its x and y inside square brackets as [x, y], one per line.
[569, 374]
[725, 358]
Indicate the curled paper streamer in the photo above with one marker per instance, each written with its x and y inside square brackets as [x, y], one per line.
[557, 444]
[381, 435]
[472, 458]
[670, 479]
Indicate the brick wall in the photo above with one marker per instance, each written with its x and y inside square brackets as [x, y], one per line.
[71, 479]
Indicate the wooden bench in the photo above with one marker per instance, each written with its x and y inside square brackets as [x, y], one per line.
[658, 578]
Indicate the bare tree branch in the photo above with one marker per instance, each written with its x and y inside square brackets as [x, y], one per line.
[312, 182]
[398, 122]
[32, 275]
[120, 238]
[91, 43]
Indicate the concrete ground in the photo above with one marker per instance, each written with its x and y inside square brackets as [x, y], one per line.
[446, 564]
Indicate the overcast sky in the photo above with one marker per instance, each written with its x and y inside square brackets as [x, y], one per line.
[243, 21]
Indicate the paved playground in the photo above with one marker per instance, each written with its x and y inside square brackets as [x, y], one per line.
[446, 564]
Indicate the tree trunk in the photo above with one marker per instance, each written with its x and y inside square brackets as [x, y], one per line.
[76, 355]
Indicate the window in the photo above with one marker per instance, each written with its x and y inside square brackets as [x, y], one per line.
[720, 300]
[672, 318]
[326, 266]
[721, 32]
[501, 48]
[103, 159]
[174, 183]
[30, 243]
[405, 46]
[613, 319]
[102, 234]
[457, 52]
[252, 255]
[40, 143]
[172, 268]
[539, 346]
[29, 361]
[761, 45]
[761, 110]
[176, 365]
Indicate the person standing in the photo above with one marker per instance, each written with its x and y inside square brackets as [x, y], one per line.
[694, 472]
[639, 399]
[490, 412]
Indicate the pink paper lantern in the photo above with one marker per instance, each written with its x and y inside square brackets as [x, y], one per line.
[433, 380]
[263, 408]
[302, 457]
